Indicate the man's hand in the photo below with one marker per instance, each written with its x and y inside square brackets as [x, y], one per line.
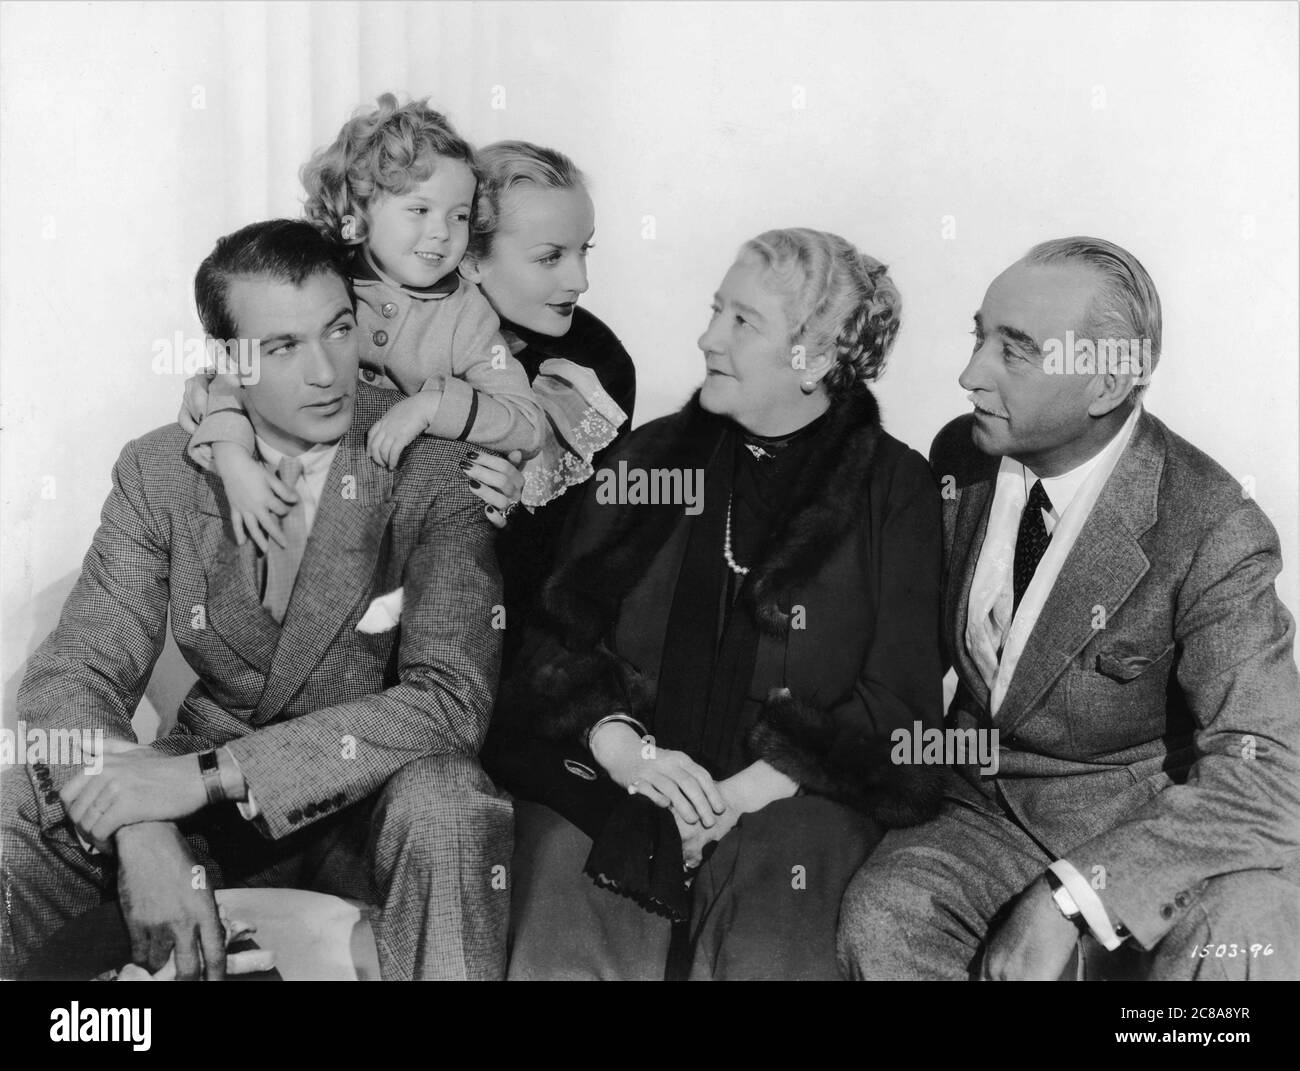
[395, 430]
[1035, 941]
[136, 784]
[164, 912]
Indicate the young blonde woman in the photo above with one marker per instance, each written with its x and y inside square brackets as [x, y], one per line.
[533, 228]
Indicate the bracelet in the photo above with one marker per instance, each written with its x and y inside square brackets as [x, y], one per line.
[626, 719]
[211, 771]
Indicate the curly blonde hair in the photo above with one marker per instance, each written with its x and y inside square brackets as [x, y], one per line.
[838, 300]
[389, 150]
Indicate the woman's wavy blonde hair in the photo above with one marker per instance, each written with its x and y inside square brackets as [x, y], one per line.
[838, 300]
[388, 149]
[506, 164]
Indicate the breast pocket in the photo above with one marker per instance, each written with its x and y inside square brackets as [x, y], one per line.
[1118, 695]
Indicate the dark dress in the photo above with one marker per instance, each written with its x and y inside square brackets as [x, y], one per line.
[526, 548]
[826, 646]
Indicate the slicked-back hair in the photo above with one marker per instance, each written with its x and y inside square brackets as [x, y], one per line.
[1125, 305]
[282, 250]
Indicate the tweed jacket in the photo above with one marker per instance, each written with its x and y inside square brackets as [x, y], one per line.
[1151, 733]
[318, 714]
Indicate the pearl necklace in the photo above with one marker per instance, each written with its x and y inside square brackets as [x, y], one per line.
[732, 564]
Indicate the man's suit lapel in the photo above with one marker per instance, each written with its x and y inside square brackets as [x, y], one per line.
[232, 610]
[336, 572]
[1102, 569]
[967, 540]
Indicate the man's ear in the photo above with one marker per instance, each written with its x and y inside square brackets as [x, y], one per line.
[470, 270]
[1114, 388]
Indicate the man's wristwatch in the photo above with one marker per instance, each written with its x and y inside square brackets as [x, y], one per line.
[1064, 901]
[210, 768]
[1097, 922]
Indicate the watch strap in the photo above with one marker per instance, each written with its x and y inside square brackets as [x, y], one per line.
[210, 768]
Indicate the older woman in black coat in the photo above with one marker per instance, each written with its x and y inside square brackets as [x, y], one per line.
[698, 732]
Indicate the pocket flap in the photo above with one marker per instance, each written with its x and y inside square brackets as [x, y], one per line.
[1124, 663]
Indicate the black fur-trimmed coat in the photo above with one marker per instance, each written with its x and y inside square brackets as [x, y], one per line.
[846, 598]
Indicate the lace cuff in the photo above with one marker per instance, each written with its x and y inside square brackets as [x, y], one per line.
[581, 419]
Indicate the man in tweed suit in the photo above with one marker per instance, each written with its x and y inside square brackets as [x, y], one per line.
[309, 752]
[1111, 614]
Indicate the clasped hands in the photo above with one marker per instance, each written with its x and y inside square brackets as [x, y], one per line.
[705, 810]
[131, 784]
[132, 802]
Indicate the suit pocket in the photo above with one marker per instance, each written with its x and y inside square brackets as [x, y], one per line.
[1124, 663]
[1117, 697]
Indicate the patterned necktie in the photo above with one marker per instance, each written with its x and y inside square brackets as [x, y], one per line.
[282, 562]
[1031, 541]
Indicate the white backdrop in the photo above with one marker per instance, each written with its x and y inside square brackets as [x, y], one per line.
[943, 139]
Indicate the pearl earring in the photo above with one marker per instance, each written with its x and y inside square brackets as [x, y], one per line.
[808, 386]
[349, 228]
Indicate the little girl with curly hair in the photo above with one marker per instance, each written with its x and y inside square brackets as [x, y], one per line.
[396, 190]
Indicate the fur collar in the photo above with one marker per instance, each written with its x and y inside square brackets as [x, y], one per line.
[583, 598]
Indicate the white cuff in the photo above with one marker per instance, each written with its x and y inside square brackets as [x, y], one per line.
[90, 849]
[248, 806]
[1090, 905]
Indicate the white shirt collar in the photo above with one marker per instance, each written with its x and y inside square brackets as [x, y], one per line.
[995, 632]
[1061, 490]
[315, 462]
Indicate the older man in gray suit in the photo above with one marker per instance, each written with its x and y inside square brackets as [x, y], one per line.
[1111, 614]
[345, 678]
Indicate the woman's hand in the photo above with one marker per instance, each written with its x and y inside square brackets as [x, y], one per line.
[498, 481]
[194, 404]
[666, 778]
[752, 789]
[757, 785]
[696, 837]
[257, 499]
